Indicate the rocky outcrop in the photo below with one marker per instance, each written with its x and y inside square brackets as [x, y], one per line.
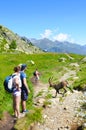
[22, 45]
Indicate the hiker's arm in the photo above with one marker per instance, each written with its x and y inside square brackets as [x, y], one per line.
[25, 84]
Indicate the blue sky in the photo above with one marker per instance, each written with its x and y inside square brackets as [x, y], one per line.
[63, 20]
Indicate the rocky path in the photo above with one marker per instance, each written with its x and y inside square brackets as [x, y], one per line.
[8, 122]
[62, 113]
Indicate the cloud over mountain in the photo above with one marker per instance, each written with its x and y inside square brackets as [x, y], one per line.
[56, 35]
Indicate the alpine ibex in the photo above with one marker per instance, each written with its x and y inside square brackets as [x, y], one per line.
[57, 87]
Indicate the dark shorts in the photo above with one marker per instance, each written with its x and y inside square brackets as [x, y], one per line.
[24, 94]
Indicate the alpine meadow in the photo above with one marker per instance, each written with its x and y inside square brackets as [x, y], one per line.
[59, 66]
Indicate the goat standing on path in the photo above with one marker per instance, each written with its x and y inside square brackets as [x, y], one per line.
[57, 87]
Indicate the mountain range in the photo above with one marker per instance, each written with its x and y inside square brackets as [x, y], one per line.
[12, 42]
[60, 47]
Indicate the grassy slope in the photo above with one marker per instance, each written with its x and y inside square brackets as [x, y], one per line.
[48, 64]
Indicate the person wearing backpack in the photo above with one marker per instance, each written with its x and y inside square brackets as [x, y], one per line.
[24, 89]
[16, 84]
[36, 75]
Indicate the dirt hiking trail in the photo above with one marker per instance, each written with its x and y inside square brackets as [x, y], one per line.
[62, 112]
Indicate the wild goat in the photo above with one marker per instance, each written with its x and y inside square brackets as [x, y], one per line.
[57, 87]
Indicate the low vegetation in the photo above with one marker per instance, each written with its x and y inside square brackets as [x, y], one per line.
[49, 65]
[13, 43]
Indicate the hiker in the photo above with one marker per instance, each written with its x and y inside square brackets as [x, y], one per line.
[24, 89]
[16, 83]
[36, 75]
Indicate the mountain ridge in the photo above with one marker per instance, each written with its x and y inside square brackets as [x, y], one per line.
[11, 42]
[57, 46]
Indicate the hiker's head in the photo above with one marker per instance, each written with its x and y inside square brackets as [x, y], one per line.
[23, 67]
[17, 69]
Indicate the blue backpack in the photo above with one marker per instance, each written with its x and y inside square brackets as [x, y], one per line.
[8, 83]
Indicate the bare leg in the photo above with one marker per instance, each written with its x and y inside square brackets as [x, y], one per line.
[23, 103]
[16, 105]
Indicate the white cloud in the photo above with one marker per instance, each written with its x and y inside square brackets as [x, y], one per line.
[62, 37]
[47, 33]
[54, 35]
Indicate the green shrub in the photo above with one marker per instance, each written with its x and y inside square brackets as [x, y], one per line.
[13, 45]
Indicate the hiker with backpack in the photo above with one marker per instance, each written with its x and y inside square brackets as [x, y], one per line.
[36, 75]
[16, 85]
[24, 89]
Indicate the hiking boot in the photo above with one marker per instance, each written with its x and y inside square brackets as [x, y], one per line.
[25, 111]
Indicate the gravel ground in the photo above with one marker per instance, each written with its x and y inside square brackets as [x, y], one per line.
[62, 113]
